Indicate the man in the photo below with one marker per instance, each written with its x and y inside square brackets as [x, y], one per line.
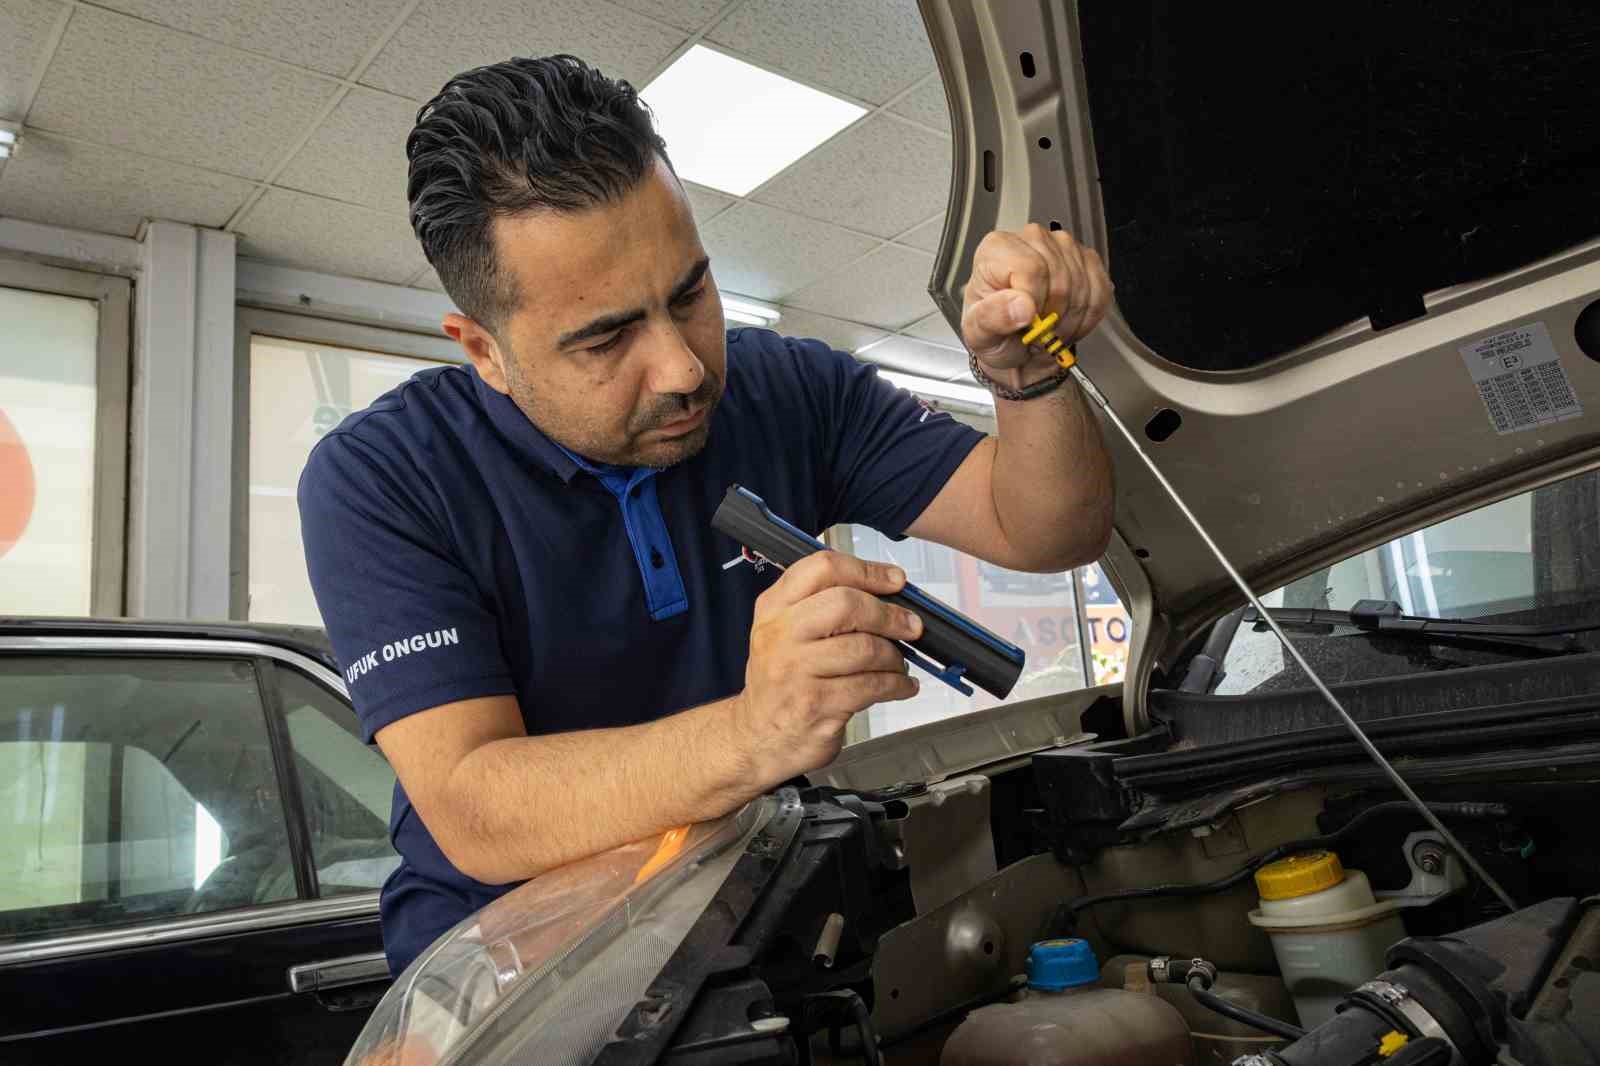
[515, 558]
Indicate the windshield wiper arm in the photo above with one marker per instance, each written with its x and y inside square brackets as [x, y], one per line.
[1385, 617]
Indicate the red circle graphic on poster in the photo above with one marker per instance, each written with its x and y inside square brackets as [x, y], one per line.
[16, 485]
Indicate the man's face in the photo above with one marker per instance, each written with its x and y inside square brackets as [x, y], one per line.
[616, 348]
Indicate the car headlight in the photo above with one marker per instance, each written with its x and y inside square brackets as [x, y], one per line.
[550, 969]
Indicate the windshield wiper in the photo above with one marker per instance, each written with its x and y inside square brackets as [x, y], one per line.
[1385, 617]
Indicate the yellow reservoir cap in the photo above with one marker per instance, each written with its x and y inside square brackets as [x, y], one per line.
[1299, 875]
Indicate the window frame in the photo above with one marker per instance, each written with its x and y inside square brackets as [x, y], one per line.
[109, 519]
[250, 322]
[307, 880]
[241, 920]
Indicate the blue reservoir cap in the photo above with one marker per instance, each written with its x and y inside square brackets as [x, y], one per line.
[1056, 965]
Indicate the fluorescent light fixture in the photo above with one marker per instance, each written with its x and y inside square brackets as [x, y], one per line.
[8, 139]
[731, 125]
[939, 390]
[748, 312]
[740, 318]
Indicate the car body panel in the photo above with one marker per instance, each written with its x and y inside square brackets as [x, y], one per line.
[228, 994]
[1332, 482]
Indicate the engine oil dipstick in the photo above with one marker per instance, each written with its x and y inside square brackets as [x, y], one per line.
[1041, 337]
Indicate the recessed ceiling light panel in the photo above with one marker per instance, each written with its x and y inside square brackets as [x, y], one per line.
[731, 126]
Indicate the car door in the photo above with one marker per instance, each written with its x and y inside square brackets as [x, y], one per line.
[158, 871]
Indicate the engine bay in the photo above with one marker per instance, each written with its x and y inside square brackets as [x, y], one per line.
[1261, 920]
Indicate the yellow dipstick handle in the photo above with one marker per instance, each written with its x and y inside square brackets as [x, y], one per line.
[1042, 335]
[1041, 326]
[1392, 1042]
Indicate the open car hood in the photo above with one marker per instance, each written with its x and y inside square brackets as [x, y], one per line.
[1316, 266]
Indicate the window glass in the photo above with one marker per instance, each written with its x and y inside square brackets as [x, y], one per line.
[1110, 628]
[1037, 612]
[134, 789]
[298, 392]
[1530, 559]
[47, 443]
[346, 788]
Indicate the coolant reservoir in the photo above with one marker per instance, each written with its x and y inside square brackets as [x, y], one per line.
[1063, 1020]
[1330, 934]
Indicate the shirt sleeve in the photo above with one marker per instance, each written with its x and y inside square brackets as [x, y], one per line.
[886, 452]
[409, 626]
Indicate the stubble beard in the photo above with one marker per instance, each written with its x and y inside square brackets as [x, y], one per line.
[587, 442]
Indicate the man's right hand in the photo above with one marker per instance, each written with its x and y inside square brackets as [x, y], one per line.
[820, 651]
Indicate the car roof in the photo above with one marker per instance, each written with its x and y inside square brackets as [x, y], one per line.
[310, 641]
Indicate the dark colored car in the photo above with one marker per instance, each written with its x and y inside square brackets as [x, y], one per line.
[193, 840]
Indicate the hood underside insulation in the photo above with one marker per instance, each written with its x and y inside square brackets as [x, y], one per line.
[1273, 172]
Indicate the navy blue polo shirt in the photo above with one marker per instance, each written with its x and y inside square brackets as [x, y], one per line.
[458, 552]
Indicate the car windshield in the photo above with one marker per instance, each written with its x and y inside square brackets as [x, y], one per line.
[1532, 559]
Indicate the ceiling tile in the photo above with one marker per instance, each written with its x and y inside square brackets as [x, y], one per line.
[317, 234]
[869, 49]
[766, 253]
[916, 357]
[429, 280]
[326, 35]
[358, 153]
[934, 328]
[86, 186]
[925, 236]
[445, 37]
[888, 288]
[844, 335]
[926, 105]
[705, 202]
[881, 175]
[687, 14]
[118, 81]
[24, 32]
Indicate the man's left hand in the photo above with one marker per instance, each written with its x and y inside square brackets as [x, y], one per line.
[1032, 271]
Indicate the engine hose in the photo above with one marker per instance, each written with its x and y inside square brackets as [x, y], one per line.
[1330, 840]
[856, 1008]
[1255, 1019]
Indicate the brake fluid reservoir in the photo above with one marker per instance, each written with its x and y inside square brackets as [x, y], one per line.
[1064, 1020]
[1328, 931]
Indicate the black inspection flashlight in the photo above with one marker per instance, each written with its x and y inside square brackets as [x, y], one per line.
[966, 650]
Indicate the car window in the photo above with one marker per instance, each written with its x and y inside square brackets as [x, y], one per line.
[1110, 628]
[346, 788]
[1037, 612]
[134, 789]
[1533, 558]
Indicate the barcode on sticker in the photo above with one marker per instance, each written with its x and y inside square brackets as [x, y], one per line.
[1519, 375]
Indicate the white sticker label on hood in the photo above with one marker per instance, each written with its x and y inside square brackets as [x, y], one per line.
[1519, 376]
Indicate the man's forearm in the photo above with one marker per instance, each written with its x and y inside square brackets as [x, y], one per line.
[523, 805]
[1052, 479]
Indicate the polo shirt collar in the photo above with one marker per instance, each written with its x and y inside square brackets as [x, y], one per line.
[525, 437]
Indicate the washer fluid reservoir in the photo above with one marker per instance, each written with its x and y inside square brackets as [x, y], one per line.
[1063, 1019]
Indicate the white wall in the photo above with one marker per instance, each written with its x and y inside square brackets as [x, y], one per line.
[189, 283]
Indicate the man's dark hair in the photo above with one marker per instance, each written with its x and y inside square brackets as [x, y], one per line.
[523, 135]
